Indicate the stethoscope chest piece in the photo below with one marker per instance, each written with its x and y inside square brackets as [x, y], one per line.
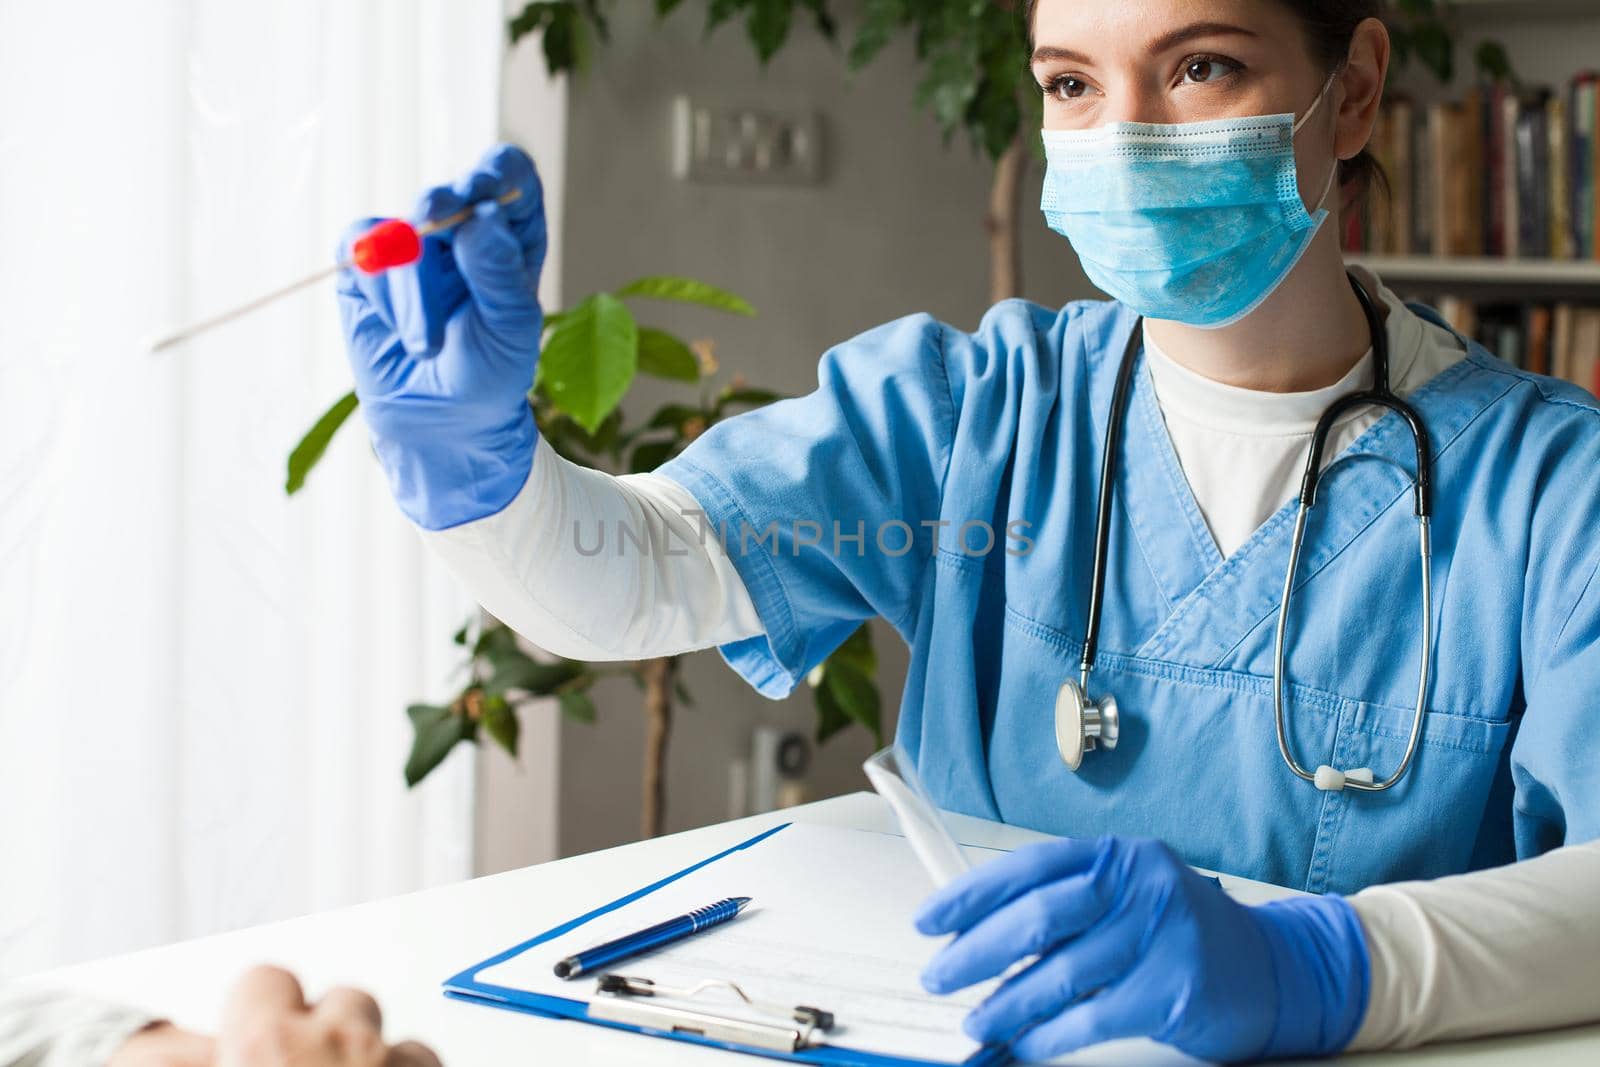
[1081, 723]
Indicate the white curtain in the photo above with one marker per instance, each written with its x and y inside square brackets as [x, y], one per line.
[202, 681]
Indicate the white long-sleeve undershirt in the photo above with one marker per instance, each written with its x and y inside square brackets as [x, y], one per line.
[1497, 951]
[595, 567]
[1514, 948]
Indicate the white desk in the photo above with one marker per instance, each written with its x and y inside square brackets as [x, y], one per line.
[401, 949]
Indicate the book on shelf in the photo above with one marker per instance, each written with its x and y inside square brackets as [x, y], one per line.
[1584, 352]
[1562, 240]
[1561, 339]
[1537, 343]
[1497, 173]
[1532, 146]
[1586, 163]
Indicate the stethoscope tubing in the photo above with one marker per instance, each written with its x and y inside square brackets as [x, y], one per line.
[1380, 395]
[1108, 479]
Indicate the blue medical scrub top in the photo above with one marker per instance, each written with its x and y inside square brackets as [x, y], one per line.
[918, 431]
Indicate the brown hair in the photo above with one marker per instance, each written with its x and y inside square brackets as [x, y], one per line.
[1329, 25]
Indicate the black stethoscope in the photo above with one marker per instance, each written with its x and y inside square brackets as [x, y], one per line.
[1082, 724]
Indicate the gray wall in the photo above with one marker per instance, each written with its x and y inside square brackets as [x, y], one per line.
[894, 228]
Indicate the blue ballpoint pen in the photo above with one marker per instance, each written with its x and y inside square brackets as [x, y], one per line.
[651, 938]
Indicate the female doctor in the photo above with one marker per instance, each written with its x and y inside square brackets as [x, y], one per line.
[1200, 153]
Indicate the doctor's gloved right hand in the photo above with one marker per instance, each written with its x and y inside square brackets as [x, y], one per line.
[444, 350]
[1126, 941]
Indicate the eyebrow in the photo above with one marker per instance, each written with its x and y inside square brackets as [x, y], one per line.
[1049, 53]
[1197, 29]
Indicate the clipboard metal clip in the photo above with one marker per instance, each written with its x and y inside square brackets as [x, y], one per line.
[620, 996]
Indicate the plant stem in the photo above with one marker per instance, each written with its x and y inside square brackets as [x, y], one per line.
[1005, 242]
[658, 674]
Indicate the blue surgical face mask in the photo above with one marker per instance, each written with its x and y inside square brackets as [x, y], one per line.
[1197, 223]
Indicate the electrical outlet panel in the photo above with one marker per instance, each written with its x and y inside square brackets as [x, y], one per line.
[745, 145]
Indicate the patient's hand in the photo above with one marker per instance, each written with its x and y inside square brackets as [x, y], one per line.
[267, 1023]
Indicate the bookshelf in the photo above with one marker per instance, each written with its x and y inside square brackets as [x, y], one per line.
[1500, 177]
[1490, 276]
[1549, 42]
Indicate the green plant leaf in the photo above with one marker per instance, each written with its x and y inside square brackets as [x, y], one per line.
[856, 696]
[949, 84]
[681, 691]
[589, 360]
[563, 45]
[437, 732]
[674, 416]
[1495, 62]
[1437, 50]
[769, 26]
[994, 117]
[822, 17]
[565, 27]
[880, 20]
[460, 636]
[748, 397]
[315, 442]
[856, 652]
[501, 723]
[751, 396]
[576, 705]
[666, 7]
[662, 355]
[687, 291]
[497, 643]
[540, 679]
[532, 18]
[831, 718]
[606, 439]
[720, 11]
[574, 442]
[1400, 42]
[650, 455]
[848, 691]
[597, 18]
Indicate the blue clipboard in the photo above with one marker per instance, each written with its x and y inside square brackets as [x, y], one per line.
[466, 986]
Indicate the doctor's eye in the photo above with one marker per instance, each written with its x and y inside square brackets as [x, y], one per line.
[1201, 70]
[1065, 87]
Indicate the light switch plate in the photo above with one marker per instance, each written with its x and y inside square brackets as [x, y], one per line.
[745, 145]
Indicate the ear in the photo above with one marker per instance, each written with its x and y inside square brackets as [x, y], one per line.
[1361, 84]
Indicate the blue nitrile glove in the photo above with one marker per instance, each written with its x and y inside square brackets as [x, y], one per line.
[444, 350]
[1132, 943]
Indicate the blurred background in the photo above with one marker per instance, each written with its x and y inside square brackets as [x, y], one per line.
[204, 680]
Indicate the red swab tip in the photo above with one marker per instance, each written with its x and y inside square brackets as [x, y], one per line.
[391, 243]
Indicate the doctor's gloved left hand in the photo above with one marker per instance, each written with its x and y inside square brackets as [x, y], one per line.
[444, 350]
[1130, 942]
